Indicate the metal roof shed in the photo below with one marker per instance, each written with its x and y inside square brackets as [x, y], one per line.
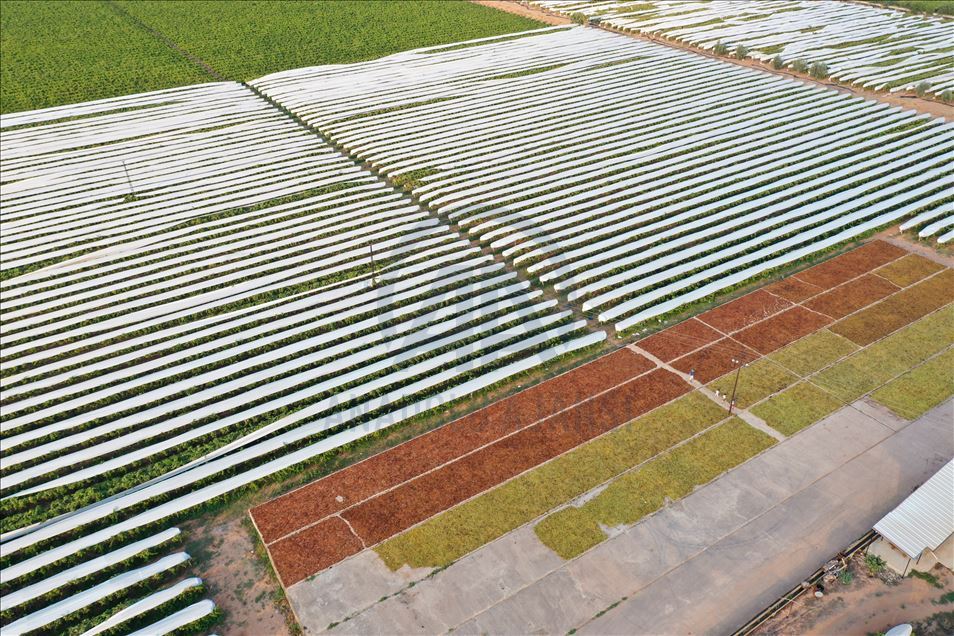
[924, 520]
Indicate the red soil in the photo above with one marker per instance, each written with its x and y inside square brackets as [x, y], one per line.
[715, 360]
[782, 329]
[852, 296]
[744, 311]
[300, 555]
[851, 265]
[396, 510]
[285, 514]
[678, 340]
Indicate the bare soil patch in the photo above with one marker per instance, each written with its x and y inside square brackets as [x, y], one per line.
[866, 605]
[931, 250]
[534, 13]
[224, 557]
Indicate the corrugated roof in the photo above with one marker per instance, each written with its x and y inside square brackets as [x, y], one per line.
[926, 518]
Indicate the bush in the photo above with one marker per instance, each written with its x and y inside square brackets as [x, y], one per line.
[720, 49]
[778, 62]
[818, 70]
[741, 52]
[947, 95]
[874, 563]
[579, 18]
[800, 66]
[922, 88]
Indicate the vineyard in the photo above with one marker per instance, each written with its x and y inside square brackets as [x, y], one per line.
[635, 179]
[207, 296]
[865, 46]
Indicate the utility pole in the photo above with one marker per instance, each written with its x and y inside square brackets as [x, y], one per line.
[374, 282]
[132, 192]
[738, 370]
[738, 362]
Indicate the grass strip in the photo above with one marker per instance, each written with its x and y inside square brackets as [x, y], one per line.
[452, 534]
[869, 368]
[921, 389]
[756, 382]
[572, 531]
[813, 352]
[793, 409]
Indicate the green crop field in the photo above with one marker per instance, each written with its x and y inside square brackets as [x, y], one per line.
[64, 52]
[54, 53]
[245, 40]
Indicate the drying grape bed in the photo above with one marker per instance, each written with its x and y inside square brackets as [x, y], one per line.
[320, 525]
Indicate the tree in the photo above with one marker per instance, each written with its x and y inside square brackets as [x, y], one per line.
[818, 70]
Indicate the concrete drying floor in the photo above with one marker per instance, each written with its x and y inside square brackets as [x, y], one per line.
[704, 564]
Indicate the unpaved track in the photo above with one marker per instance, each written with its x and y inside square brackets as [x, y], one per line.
[534, 13]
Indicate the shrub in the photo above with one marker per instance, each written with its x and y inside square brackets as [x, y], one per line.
[874, 563]
[778, 62]
[720, 49]
[845, 577]
[579, 18]
[818, 70]
[947, 95]
[800, 66]
[922, 88]
[741, 52]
